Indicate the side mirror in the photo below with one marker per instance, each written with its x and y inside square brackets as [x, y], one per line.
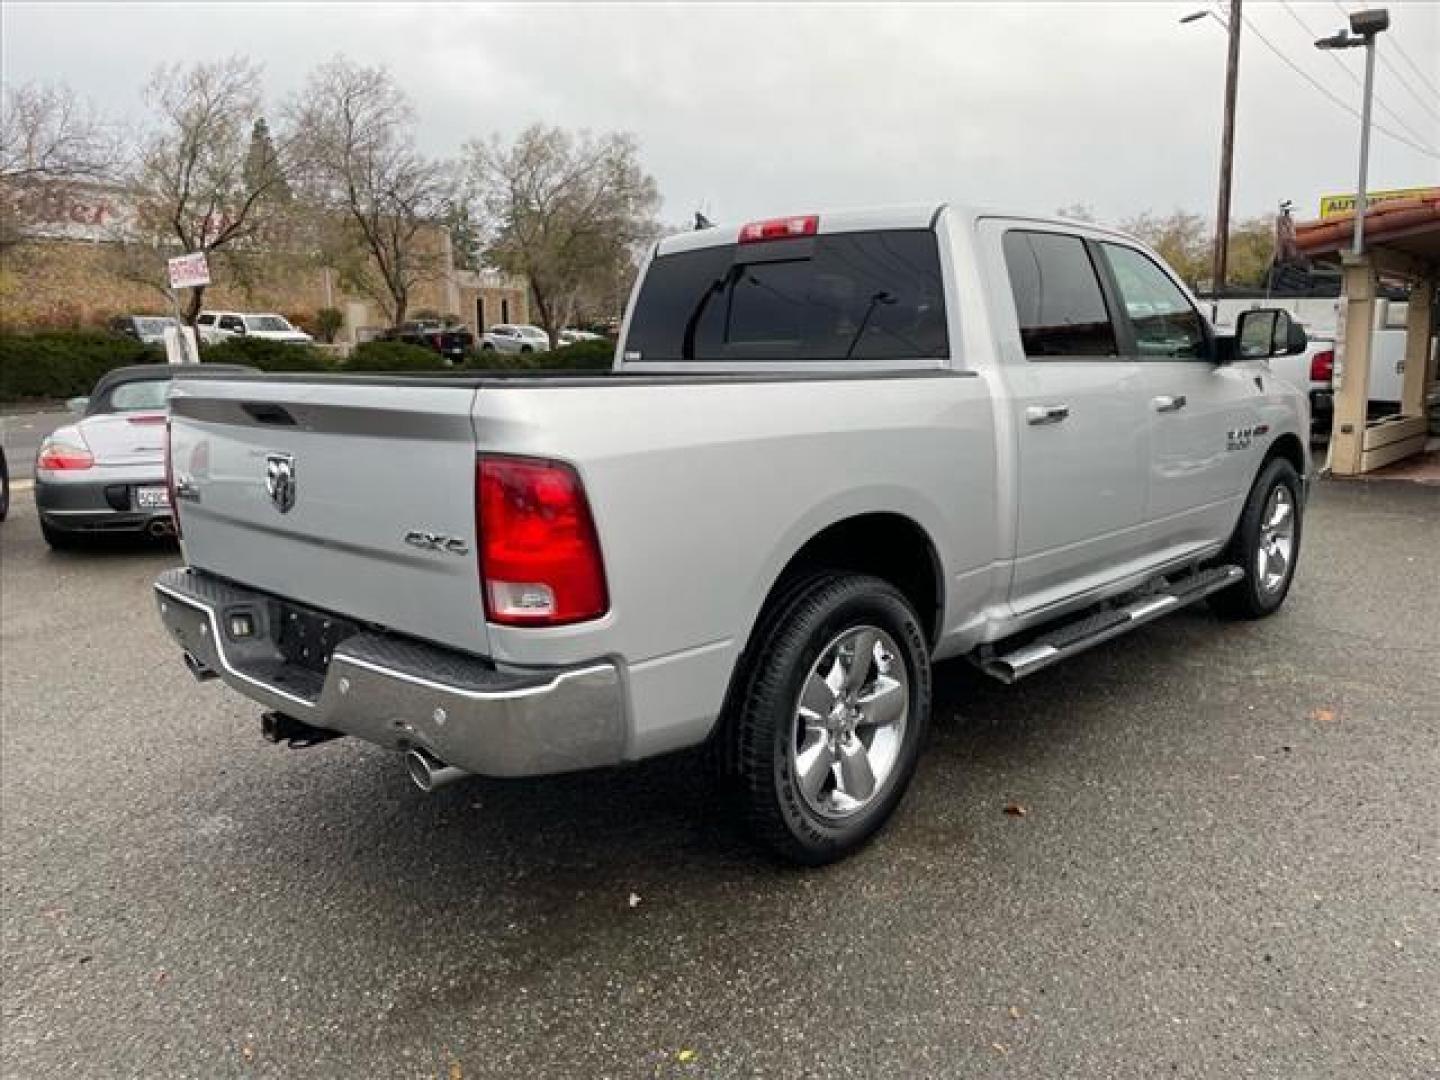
[78, 405]
[1267, 332]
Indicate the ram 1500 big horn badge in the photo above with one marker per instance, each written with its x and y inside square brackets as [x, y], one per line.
[835, 448]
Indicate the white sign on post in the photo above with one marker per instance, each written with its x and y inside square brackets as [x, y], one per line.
[189, 271]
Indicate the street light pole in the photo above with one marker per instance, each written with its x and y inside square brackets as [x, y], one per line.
[1364, 25]
[1361, 199]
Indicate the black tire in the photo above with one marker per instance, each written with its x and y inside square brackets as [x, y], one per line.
[757, 741]
[487, 347]
[526, 349]
[1251, 597]
[59, 539]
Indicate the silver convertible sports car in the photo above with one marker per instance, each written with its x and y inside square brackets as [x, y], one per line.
[105, 473]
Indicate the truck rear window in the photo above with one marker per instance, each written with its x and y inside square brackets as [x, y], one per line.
[842, 296]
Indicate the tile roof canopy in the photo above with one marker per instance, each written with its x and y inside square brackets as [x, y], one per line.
[1408, 225]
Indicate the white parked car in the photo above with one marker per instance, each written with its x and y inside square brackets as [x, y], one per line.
[218, 326]
[515, 338]
[570, 337]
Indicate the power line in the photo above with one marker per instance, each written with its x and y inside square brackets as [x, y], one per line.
[1405, 82]
[1311, 36]
[1419, 74]
[1421, 147]
[1399, 77]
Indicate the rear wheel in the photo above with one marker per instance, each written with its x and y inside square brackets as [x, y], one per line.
[822, 734]
[1266, 544]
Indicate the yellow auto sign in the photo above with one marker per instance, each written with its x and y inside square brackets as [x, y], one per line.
[1334, 205]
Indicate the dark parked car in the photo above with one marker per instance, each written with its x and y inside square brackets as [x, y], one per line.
[451, 341]
[149, 329]
[105, 473]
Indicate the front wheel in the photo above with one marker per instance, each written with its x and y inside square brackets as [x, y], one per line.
[1266, 545]
[823, 731]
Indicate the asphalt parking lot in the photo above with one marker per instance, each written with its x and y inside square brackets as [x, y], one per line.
[1228, 865]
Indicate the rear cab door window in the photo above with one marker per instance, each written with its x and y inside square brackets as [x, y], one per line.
[1059, 303]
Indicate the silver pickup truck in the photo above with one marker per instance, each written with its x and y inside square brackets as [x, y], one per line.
[835, 448]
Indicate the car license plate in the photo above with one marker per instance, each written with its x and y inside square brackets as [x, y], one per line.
[152, 498]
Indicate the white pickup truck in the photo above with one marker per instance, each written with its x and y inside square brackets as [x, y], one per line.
[834, 449]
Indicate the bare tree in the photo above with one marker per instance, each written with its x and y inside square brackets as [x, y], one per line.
[49, 141]
[1181, 238]
[198, 183]
[362, 167]
[563, 210]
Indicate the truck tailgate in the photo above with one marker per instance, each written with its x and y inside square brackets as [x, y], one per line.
[308, 489]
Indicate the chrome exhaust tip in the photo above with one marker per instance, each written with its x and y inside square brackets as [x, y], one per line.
[429, 773]
[197, 668]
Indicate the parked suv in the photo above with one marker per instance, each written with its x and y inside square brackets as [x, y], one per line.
[218, 326]
[852, 444]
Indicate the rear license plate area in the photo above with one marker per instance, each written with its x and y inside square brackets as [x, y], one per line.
[308, 639]
[152, 498]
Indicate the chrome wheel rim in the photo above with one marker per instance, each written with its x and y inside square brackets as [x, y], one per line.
[850, 722]
[1276, 550]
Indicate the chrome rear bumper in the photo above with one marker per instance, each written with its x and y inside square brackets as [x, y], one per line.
[401, 693]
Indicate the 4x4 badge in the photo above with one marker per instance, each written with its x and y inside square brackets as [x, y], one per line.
[280, 480]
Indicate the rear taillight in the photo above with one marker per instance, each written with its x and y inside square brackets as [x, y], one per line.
[540, 559]
[1322, 366]
[64, 454]
[780, 228]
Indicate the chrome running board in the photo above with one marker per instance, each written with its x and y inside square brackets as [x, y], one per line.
[1067, 639]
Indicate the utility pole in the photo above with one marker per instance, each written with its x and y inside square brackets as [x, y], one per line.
[1227, 153]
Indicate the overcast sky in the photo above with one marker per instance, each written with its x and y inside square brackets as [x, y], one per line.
[752, 110]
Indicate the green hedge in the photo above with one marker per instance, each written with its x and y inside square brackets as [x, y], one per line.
[61, 364]
[265, 355]
[64, 363]
[582, 356]
[394, 356]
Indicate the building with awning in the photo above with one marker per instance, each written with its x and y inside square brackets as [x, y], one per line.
[1401, 245]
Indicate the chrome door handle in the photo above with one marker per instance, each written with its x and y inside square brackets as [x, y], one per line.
[1045, 414]
[1166, 403]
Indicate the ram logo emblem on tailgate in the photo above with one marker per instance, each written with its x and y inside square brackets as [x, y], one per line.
[280, 480]
[437, 542]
